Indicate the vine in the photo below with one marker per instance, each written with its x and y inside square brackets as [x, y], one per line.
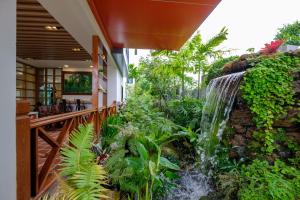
[268, 90]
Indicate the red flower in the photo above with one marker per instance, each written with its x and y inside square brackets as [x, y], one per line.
[272, 47]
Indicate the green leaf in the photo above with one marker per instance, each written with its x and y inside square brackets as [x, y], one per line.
[167, 164]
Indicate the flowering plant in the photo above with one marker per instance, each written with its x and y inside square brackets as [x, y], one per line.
[272, 47]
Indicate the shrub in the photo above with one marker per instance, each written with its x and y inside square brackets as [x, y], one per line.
[186, 112]
[216, 68]
[290, 33]
[264, 181]
[110, 129]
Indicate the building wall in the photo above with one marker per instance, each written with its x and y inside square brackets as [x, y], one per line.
[8, 99]
[115, 83]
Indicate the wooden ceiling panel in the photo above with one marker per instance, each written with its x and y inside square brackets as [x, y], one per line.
[34, 41]
[150, 24]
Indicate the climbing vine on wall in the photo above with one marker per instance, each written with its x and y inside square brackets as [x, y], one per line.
[268, 90]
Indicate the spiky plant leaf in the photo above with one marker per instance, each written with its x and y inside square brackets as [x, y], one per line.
[84, 178]
[78, 155]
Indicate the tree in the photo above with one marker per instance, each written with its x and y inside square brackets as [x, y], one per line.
[201, 51]
[289, 33]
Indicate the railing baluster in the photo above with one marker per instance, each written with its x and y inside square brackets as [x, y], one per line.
[43, 179]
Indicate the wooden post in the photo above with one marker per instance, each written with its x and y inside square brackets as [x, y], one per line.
[95, 88]
[95, 62]
[23, 151]
[105, 76]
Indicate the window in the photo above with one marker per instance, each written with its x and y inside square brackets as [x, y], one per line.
[49, 85]
[26, 84]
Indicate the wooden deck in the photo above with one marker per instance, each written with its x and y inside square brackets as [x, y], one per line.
[40, 141]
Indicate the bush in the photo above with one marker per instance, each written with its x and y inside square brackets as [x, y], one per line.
[290, 33]
[110, 129]
[216, 68]
[186, 112]
[263, 181]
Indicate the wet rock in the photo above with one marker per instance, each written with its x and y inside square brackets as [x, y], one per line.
[295, 136]
[213, 196]
[233, 154]
[238, 140]
[284, 155]
[239, 129]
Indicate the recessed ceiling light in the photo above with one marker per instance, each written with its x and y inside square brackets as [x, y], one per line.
[66, 66]
[20, 73]
[91, 66]
[76, 49]
[51, 28]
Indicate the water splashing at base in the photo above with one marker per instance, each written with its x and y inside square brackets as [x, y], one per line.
[220, 96]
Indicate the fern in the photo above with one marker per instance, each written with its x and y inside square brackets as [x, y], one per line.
[84, 178]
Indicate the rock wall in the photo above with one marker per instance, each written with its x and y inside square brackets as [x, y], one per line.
[243, 126]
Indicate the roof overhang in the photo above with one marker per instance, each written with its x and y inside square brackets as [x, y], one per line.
[150, 24]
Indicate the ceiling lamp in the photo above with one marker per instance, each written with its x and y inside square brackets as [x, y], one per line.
[51, 28]
[66, 66]
[76, 49]
[91, 66]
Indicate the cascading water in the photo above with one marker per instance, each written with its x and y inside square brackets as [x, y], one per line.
[220, 95]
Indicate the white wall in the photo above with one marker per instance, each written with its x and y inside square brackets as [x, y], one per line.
[115, 81]
[8, 99]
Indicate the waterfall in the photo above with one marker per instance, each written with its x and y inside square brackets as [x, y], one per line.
[220, 96]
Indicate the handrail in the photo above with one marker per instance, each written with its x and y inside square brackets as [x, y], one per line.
[60, 117]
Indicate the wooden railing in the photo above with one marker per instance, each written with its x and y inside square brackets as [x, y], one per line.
[39, 144]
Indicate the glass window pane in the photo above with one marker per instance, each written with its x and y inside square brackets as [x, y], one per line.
[30, 93]
[57, 72]
[49, 72]
[30, 77]
[58, 94]
[49, 101]
[20, 93]
[42, 101]
[57, 79]
[50, 79]
[42, 86]
[30, 70]
[20, 67]
[58, 86]
[49, 87]
[41, 72]
[20, 75]
[20, 84]
[30, 86]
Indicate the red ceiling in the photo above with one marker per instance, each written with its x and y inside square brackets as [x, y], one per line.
[150, 24]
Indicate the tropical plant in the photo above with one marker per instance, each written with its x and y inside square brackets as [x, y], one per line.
[202, 51]
[185, 112]
[110, 129]
[289, 33]
[268, 90]
[138, 163]
[216, 68]
[84, 178]
[264, 181]
[272, 47]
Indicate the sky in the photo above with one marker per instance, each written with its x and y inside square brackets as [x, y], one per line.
[250, 23]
